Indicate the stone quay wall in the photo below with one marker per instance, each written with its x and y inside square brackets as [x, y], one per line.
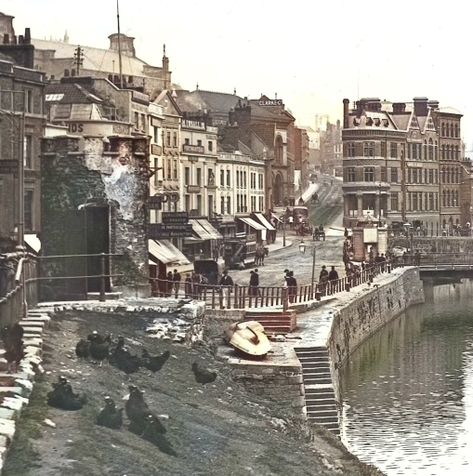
[363, 316]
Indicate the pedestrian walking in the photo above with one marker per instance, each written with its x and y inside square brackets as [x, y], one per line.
[254, 283]
[333, 278]
[291, 286]
[188, 286]
[176, 280]
[169, 284]
[226, 284]
[323, 279]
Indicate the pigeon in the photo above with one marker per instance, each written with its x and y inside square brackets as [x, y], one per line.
[123, 359]
[136, 408]
[154, 362]
[64, 398]
[203, 376]
[99, 346]
[83, 349]
[12, 337]
[110, 416]
[154, 433]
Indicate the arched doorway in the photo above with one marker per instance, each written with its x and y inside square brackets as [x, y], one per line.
[278, 192]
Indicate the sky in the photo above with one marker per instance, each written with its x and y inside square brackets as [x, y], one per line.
[311, 53]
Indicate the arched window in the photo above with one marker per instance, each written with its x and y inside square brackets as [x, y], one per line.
[442, 152]
[457, 153]
[451, 130]
[456, 131]
[442, 178]
[448, 153]
[425, 150]
[448, 198]
[278, 149]
[436, 151]
[447, 179]
[443, 129]
[444, 198]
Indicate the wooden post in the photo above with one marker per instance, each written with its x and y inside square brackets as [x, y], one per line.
[102, 277]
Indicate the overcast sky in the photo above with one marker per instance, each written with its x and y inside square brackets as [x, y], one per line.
[311, 53]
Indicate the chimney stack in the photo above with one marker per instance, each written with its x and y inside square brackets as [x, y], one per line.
[126, 43]
[346, 112]
[420, 106]
[27, 36]
[399, 108]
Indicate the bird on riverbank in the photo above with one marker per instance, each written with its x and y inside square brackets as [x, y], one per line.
[12, 337]
[100, 346]
[110, 416]
[136, 410]
[64, 398]
[123, 359]
[154, 433]
[83, 349]
[154, 362]
[203, 376]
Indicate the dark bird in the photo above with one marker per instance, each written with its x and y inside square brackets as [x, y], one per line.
[83, 349]
[154, 433]
[203, 376]
[110, 416]
[99, 346]
[64, 398]
[123, 359]
[12, 337]
[154, 362]
[136, 408]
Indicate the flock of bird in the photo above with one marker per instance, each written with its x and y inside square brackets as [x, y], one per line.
[142, 421]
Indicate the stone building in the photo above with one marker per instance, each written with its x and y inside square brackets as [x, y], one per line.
[94, 192]
[400, 166]
[16, 74]
[331, 149]
[301, 160]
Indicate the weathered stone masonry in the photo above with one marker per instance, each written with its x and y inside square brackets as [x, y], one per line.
[94, 172]
[366, 314]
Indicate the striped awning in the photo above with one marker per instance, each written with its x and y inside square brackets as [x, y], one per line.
[166, 252]
[204, 230]
[264, 221]
[253, 224]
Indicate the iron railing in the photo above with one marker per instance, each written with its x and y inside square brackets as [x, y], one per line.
[244, 297]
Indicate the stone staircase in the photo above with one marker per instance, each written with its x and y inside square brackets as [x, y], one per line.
[274, 321]
[319, 393]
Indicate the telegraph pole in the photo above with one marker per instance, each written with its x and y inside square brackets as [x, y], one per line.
[78, 59]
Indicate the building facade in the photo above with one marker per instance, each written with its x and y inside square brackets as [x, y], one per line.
[395, 165]
[21, 90]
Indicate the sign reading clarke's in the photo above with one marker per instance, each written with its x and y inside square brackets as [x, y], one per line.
[270, 102]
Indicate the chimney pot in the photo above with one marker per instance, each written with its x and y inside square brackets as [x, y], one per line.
[27, 36]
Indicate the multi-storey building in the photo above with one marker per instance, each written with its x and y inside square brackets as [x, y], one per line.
[21, 91]
[399, 165]
[198, 166]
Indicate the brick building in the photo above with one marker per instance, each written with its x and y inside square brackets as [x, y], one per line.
[403, 162]
[17, 74]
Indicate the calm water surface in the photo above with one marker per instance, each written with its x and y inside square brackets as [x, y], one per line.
[408, 392]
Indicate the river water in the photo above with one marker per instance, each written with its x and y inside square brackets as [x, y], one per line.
[408, 392]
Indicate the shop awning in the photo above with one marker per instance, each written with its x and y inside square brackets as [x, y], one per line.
[33, 242]
[264, 221]
[166, 252]
[253, 224]
[277, 218]
[204, 230]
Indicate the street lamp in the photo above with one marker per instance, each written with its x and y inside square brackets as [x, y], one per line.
[302, 248]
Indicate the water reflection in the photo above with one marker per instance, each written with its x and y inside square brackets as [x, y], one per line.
[408, 392]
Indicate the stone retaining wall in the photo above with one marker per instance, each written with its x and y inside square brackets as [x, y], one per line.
[363, 316]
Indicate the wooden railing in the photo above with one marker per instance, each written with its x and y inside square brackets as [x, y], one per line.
[247, 297]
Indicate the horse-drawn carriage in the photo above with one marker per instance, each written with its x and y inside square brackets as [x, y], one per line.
[318, 234]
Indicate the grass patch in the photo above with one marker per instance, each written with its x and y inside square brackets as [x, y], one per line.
[22, 458]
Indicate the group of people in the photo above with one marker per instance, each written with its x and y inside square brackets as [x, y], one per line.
[171, 285]
[194, 285]
[327, 278]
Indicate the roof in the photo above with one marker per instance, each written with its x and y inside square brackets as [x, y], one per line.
[69, 93]
[198, 100]
[95, 59]
[449, 110]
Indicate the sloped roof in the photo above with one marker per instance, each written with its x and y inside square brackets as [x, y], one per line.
[95, 59]
[199, 100]
[401, 120]
[69, 93]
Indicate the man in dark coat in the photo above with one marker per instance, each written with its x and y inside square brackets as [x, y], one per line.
[333, 278]
[226, 283]
[254, 283]
[176, 280]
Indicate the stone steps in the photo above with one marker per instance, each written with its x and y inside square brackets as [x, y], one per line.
[15, 388]
[321, 406]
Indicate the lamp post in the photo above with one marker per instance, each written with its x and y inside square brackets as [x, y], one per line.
[284, 232]
[21, 160]
[302, 248]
